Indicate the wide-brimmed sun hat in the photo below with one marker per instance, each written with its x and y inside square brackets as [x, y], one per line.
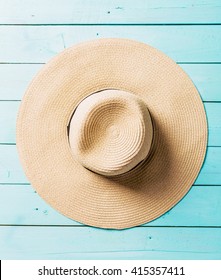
[112, 133]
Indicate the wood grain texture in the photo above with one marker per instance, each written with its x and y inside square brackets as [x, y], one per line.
[109, 12]
[206, 78]
[83, 243]
[9, 109]
[40, 43]
[199, 208]
[16, 77]
[8, 115]
[213, 111]
[33, 31]
[11, 169]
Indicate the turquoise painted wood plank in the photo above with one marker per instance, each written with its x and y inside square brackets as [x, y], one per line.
[10, 167]
[9, 109]
[207, 79]
[135, 255]
[200, 207]
[213, 111]
[114, 11]
[210, 173]
[11, 170]
[16, 77]
[8, 115]
[40, 43]
[78, 243]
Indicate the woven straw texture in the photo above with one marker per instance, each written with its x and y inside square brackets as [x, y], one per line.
[152, 187]
[113, 125]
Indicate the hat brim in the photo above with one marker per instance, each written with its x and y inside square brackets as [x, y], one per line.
[150, 189]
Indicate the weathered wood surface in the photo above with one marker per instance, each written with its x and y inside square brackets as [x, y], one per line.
[32, 32]
[37, 44]
[85, 242]
[201, 207]
[110, 12]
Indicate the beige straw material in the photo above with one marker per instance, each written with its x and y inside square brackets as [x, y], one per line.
[149, 189]
[111, 132]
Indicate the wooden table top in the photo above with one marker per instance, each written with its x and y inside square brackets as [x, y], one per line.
[32, 32]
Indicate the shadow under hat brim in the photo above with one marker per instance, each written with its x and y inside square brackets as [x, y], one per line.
[150, 189]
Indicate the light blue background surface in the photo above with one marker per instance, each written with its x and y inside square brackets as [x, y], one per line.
[31, 32]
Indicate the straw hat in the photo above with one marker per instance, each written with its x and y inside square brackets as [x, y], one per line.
[112, 133]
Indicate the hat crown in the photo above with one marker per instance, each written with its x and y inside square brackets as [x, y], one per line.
[111, 132]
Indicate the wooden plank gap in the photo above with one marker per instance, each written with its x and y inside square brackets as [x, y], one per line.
[109, 24]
